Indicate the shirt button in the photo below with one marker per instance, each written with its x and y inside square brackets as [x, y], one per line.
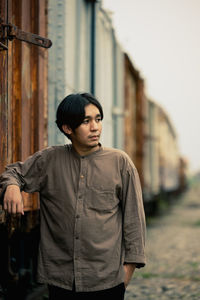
[77, 216]
[77, 237]
[82, 176]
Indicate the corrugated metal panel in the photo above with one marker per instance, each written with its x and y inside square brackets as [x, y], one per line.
[77, 46]
[141, 112]
[130, 109]
[118, 105]
[154, 148]
[69, 61]
[161, 153]
[56, 66]
[83, 62]
[136, 102]
[104, 83]
[151, 179]
[169, 154]
[147, 155]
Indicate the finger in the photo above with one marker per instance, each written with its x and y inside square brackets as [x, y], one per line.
[20, 208]
[5, 206]
[9, 207]
[13, 208]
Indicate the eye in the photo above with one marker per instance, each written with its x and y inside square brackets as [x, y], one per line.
[98, 120]
[86, 121]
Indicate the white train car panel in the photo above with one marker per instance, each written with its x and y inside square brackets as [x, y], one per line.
[69, 68]
[104, 72]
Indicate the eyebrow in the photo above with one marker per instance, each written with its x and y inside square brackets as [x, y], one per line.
[89, 117]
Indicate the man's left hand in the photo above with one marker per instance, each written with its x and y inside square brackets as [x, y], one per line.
[129, 270]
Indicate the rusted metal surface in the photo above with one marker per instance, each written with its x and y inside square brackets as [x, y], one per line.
[3, 95]
[41, 12]
[3, 47]
[135, 119]
[140, 127]
[11, 32]
[151, 167]
[23, 85]
[130, 76]
[23, 123]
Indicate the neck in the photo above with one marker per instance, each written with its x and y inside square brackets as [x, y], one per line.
[83, 151]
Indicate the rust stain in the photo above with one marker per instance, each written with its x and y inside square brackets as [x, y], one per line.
[135, 102]
[24, 99]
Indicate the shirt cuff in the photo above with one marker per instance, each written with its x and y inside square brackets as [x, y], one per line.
[138, 260]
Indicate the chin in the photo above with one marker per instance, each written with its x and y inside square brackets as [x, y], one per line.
[94, 144]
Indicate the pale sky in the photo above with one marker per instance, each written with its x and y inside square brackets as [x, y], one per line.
[162, 38]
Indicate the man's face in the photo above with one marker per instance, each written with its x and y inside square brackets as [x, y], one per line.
[87, 135]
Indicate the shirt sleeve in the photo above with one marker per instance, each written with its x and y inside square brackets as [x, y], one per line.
[134, 224]
[27, 175]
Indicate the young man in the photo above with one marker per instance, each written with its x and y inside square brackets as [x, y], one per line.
[92, 216]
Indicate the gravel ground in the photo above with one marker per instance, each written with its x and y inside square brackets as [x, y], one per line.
[173, 254]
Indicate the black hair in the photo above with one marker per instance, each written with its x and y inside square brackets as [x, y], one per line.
[71, 110]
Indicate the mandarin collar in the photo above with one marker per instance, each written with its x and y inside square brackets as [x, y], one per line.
[88, 155]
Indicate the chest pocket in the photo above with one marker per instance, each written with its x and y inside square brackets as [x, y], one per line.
[101, 200]
[102, 177]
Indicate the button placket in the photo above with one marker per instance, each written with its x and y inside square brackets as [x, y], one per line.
[78, 214]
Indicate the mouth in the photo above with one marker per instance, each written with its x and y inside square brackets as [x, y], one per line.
[94, 137]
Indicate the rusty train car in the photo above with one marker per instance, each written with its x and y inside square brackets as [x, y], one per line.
[23, 123]
[29, 72]
[151, 142]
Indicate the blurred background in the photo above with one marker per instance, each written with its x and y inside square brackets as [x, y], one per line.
[139, 58]
[162, 39]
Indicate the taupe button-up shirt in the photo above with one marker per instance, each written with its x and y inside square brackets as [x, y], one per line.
[92, 216]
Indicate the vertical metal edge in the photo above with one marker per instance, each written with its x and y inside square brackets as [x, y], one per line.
[9, 89]
[93, 46]
[3, 97]
[114, 100]
[15, 91]
[42, 76]
[26, 81]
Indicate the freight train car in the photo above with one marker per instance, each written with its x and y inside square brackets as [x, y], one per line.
[109, 72]
[168, 153]
[151, 142]
[71, 59]
[23, 122]
[135, 115]
[86, 57]
[162, 158]
[151, 157]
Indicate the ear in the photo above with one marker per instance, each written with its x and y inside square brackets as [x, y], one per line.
[66, 129]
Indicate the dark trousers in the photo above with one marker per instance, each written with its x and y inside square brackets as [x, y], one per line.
[116, 293]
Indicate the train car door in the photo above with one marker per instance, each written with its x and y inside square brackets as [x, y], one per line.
[23, 117]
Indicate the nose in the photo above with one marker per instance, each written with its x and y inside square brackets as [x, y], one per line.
[94, 125]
